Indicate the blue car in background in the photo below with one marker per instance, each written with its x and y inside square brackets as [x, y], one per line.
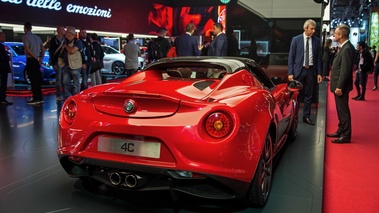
[19, 62]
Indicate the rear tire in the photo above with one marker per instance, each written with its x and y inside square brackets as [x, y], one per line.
[261, 184]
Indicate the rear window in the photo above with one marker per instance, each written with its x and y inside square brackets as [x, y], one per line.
[18, 49]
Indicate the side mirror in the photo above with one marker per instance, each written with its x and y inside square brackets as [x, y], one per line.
[276, 80]
[294, 86]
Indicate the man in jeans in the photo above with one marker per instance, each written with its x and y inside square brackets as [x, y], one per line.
[87, 54]
[55, 49]
[73, 63]
[34, 52]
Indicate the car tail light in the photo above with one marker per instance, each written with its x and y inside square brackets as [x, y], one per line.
[69, 112]
[218, 124]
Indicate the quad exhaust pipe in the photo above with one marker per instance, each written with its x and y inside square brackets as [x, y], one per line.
[115, 178]
[127, 179]
[131, 181]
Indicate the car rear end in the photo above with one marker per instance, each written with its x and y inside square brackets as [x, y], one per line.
[140, 139]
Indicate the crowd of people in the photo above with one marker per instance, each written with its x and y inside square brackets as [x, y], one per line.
[310, 64]
[73, 56]
[222, 44]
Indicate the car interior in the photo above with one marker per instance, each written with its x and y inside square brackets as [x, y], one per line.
[196, 72]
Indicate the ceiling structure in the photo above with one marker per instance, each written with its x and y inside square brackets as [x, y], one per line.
[350, 12]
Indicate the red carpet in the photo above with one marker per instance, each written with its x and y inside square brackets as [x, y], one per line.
[351, 176]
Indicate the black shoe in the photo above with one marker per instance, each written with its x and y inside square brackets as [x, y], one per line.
[360, 98]
[342, 139]
[334, 135]
[355, 98]
[375, 87]
[326, 79]
[6, 102]
[308, 121]
[30, 101]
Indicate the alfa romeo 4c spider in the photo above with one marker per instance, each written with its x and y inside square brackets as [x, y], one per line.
[206, 126]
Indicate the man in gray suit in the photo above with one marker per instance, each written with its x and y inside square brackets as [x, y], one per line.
[305, 63]
[341, 83]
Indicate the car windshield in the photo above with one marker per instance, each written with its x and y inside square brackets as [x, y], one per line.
[190, 71]
[205, 68]
[18, 49]
[110, 50]
[194, 72]
[275, 59]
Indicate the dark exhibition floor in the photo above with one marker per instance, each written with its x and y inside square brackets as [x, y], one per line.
[32, 180]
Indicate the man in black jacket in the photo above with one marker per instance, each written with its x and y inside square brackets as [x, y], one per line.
[158, 47]
[55, 49]
[4, 70]
[364, 64]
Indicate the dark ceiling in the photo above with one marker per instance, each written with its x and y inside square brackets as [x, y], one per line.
[351, 9]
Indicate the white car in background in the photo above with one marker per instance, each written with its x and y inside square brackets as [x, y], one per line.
[114, 61]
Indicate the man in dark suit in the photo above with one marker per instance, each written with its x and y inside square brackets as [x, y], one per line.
[304, 63]
[219, 45]
[341, 83]
[4, 70]
[186, 45]
[233, 49]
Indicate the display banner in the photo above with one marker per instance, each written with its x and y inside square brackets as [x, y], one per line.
[139, 17]
[99, 15]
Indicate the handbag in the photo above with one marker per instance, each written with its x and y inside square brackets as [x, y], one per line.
[61, 62]
[95, 66]
[61, 54]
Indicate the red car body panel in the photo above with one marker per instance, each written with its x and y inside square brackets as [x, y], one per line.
[171, 114]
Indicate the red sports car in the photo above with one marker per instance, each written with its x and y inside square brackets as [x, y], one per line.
[206, 126]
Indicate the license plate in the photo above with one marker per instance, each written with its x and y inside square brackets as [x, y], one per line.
[129, 147]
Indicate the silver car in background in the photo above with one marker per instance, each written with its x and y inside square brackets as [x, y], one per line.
[114, 61]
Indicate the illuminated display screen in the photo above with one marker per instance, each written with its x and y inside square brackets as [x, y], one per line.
[140, 17]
